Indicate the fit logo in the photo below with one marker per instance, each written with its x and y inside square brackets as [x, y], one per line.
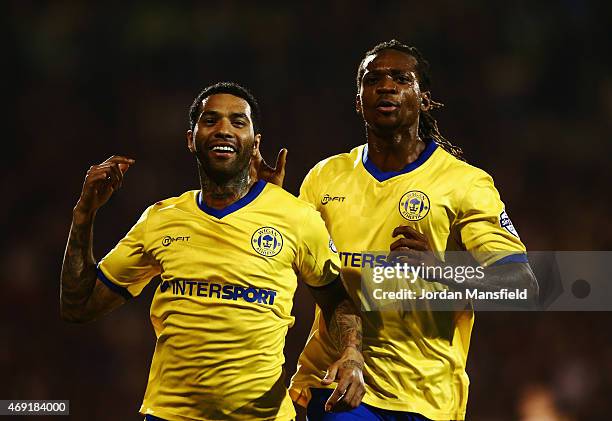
[167, 240]
[327, 198]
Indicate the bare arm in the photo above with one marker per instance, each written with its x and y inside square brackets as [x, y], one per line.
[83, 297]
[345, 329]
[414, 248]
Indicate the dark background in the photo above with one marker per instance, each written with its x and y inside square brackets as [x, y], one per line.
[528, 94]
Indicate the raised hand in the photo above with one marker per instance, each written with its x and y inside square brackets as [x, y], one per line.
[102, 181]
[260, 170]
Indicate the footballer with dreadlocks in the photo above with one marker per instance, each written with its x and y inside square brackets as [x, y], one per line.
[410, 192]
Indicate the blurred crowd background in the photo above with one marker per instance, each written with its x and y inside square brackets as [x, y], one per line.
[527, 88]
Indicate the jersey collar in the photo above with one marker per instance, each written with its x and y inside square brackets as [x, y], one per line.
[255, 190]
[430, 147]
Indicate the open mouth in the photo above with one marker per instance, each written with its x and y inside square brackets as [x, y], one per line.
[387, 106]
[222, 150]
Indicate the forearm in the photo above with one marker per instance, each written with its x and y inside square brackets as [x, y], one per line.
[345, 327]
[78, 276]
[341, 316]
[509, 276]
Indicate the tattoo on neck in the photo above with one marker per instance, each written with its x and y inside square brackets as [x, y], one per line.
[227, 190]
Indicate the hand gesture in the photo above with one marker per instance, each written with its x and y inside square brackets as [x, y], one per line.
[260, 170]
[102, 181]
[348, 372]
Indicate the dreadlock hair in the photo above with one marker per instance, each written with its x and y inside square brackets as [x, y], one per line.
[225, 88]
[428, 126]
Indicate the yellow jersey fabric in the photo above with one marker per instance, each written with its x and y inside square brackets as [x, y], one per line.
[223, 307]
[414, 360]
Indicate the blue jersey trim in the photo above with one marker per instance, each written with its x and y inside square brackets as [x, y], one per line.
[379, 175]
[150, 417]
[513, 258]
[256, 189]
[113, 286]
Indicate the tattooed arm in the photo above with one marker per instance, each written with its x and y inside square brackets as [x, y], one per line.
[344, 326]
[83, 297]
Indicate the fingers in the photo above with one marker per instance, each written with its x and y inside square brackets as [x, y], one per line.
[281, 161]
[408, 232]
[122, 162]
[353, 395]
[113, 174]
[108, 173]
[123, 168]
[359, 394]
[338, 394]
[330, 376]
[118, 159]
[409, 243]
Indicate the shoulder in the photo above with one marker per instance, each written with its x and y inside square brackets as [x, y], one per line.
[285, 200]
[163, 207]
[299, 213]
[338, 163]
[460, 171]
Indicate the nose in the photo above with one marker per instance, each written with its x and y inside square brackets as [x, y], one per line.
[386, 85]
[224, 130]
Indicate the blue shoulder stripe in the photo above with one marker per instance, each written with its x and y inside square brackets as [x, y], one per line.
[113, 286]
[512, 258]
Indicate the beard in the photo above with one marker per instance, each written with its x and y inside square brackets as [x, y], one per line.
[223, 172]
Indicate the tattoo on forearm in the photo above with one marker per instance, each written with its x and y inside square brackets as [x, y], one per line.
[345, 327]
[79, 267]
[352, 364]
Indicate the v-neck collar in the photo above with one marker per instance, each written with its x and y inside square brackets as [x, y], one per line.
[255, 191]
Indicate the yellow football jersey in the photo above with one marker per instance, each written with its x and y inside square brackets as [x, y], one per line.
[223, 307]
[414, 360]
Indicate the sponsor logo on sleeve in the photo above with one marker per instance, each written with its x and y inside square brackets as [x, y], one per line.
[506, 223]
[332, 246]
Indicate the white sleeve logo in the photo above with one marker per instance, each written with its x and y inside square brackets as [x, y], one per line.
[506, 223]
[332, 246]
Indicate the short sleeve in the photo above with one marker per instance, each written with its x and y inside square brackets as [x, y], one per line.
[307, 189]
[128, 268]
[484, 226]
[317, 264]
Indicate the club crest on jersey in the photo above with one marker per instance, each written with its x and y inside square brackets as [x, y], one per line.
[506, 223]
[414, 205]
[267, 241]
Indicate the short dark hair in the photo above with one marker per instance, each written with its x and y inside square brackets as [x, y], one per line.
[225, 88]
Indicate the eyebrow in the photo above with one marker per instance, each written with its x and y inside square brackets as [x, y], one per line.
[216, 113]
[393, 71]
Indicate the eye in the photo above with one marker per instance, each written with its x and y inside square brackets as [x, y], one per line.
[404, 79]
[209, 121]
[239, 123]
[370, 80]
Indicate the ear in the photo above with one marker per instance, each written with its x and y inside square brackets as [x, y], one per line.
[358, 107]
[425, 101]
[256, 143]
[190, 142]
